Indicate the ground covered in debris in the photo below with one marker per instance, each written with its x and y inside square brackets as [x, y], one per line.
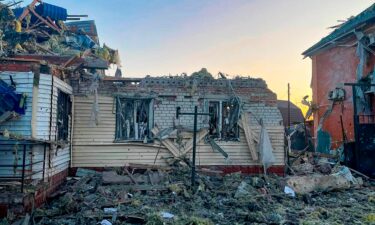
[155, 197]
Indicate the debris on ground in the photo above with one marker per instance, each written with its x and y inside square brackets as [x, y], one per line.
[318, 182]
[218, 199]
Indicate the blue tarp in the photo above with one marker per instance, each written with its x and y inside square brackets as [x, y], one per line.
[10, 100]
[45, 10]
[52, 11]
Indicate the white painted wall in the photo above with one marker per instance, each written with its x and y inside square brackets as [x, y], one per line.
[44, 117]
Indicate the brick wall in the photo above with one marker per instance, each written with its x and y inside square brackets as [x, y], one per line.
[19, 203]
[18, 66]
[170, 93]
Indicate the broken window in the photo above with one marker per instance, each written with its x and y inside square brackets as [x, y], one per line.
[214, 121]
[223, 120]
[133, 119]
[64, 106]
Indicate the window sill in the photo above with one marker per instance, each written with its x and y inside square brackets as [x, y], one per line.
[133, 141]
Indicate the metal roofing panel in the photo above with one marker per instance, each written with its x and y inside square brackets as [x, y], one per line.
[88, 26]
[365, 16]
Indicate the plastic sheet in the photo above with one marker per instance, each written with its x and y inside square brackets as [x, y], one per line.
[266, 150]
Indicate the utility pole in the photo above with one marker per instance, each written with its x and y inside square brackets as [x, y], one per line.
[195, 114]
[288, 106]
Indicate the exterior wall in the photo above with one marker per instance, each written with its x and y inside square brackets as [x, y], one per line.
[36, 123]
[93, 146]
[58, 158]
[330, 68]
[20, 126]
[24, 81]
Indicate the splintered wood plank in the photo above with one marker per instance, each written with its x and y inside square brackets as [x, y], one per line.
[189, 144]
[167, 143]
[249, 136]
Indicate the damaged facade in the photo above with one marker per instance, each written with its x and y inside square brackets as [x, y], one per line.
[342, 66]
[36, 146]
[122, 147]
[38, 57]
[137, 121]
[63, 112]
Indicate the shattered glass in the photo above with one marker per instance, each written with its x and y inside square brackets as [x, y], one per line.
[133, 119]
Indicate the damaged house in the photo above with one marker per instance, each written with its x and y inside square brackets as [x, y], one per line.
[80, 147]
[59, 111]
[343, 78]
[35, 145]
[38, 57]
[133, 120]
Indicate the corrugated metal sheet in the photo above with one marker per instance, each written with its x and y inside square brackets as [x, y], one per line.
[52, 11]
[346, 28]
[94, 147]
[88, 26]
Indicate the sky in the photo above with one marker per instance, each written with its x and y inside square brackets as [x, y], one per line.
[257, 38]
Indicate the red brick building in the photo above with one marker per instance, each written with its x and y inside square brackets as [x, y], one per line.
[335, 61]
[347, 55]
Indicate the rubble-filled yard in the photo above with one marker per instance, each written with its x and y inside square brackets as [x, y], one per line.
[132, 195]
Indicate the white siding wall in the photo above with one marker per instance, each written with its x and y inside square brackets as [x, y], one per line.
[24, 84]
[94, 147]
[57, 159]
[22, 126]
[60, 158]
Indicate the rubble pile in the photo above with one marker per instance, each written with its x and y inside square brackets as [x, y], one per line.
[38, 34]
[157, 197]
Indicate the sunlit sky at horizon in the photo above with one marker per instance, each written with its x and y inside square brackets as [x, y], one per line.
[257, 38]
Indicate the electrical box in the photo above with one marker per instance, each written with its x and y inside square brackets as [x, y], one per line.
[338, 94]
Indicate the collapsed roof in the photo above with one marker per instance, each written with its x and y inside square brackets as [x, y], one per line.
[39, 29]
[344, 30]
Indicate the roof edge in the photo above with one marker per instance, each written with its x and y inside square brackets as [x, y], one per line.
[344, 30]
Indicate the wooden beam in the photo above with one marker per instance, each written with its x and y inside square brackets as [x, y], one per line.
[43, 20]
[26, 11]
[7, 116]
[45, 49]
[253, 133]
[245, 125]
[70, 61]
[167, 143]
[189, 144]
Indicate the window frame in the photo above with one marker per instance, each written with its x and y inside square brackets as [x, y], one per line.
[220, 133]
[64, 114]
[150, 119]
